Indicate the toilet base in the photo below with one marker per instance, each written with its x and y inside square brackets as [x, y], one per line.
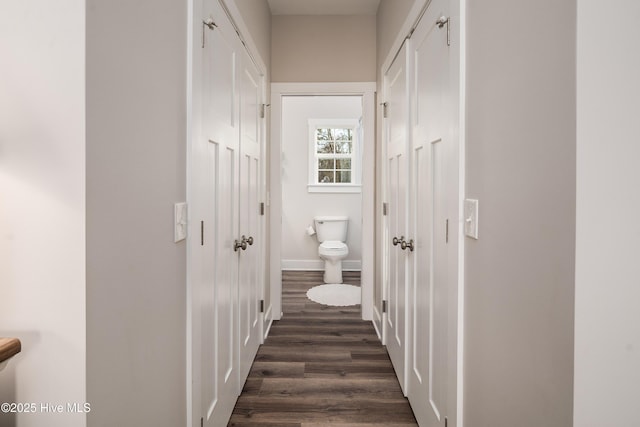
[333, 272]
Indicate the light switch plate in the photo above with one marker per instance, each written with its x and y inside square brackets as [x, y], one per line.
[180, 221]
[471, 218]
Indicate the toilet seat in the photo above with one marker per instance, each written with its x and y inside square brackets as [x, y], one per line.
[333, 244]
[333, 247]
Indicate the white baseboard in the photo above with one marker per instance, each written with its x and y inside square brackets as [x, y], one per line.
[316, 264]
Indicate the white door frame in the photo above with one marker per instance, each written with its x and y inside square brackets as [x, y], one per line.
[367, 91]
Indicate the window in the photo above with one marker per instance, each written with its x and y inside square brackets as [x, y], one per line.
[333, 162]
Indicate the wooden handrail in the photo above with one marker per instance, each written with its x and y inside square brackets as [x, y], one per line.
[9, 347]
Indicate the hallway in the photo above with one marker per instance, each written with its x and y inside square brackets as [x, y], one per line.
[321, 366]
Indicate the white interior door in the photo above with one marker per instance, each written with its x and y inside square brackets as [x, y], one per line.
[217, 220]
[397, 191]
[430, 213]
[249, 273]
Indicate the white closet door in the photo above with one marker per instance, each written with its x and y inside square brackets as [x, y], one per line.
[249, 273]
[397, 191]
[217, 220]
[430, 214]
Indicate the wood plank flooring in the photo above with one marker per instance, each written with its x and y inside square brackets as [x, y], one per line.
[321, 366]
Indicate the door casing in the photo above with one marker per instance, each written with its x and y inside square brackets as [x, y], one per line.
[367, 91]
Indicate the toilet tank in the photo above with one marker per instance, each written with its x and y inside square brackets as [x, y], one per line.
[331, 228]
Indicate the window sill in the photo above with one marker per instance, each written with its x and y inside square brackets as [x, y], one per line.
[334, 188]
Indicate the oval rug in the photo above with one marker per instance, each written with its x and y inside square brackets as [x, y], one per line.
[337, 295]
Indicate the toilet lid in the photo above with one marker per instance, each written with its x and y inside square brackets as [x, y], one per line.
[333, 244]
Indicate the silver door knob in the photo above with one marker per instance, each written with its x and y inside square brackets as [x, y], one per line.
[441, 21]
[395, 240]
[246, 240]
[404, 245]
[239, 244]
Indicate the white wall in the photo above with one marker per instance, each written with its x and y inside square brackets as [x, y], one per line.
[42, 206]
[136, 171]
[323, 48]
[520, 164]
[257, 17]
[607, 318]
[298, 205]
[391, 17]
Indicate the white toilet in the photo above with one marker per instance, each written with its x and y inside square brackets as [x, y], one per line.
[332, 235]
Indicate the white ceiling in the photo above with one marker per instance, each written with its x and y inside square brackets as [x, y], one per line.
[323, 7]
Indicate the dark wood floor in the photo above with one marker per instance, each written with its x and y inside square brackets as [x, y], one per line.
[321, 366]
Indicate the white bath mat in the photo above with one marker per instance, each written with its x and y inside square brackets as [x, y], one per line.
[335, 295]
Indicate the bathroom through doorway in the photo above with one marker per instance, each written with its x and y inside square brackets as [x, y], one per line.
[322, 168]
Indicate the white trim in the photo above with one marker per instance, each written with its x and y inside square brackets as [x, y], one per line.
[264, 153]
[274, 201]
[329, 88]
[318, 264]
[461, 7]
[267, 328]
[334, 188]
[367, 91]
[193, 406]
[377, 315]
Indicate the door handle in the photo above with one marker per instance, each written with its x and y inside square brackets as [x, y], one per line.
[240, 244]
[404, 245]
[244, 242]
[395, 240]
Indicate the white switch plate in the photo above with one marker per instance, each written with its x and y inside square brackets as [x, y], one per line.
[471, 218]
[180, 221]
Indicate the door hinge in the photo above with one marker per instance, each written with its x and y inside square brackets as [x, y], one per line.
[441, 22]
[262, 208]
[384, 305]
[447, 232]
[201, 233]
[201, 421]
[446, 422]
[262, 110]
[207, 23]
[385, 206]
[384, 109]
[261, 306]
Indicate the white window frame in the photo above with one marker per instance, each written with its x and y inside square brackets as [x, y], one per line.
[356, 184]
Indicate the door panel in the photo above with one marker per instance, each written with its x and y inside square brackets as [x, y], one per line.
[225, 192]
[429, 216]
[208, 298]
[216, 219]
[396, 192]
[428, 285]
[250, 277]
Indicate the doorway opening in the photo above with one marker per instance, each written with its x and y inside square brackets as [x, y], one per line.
[322, 164]
[321, 178]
